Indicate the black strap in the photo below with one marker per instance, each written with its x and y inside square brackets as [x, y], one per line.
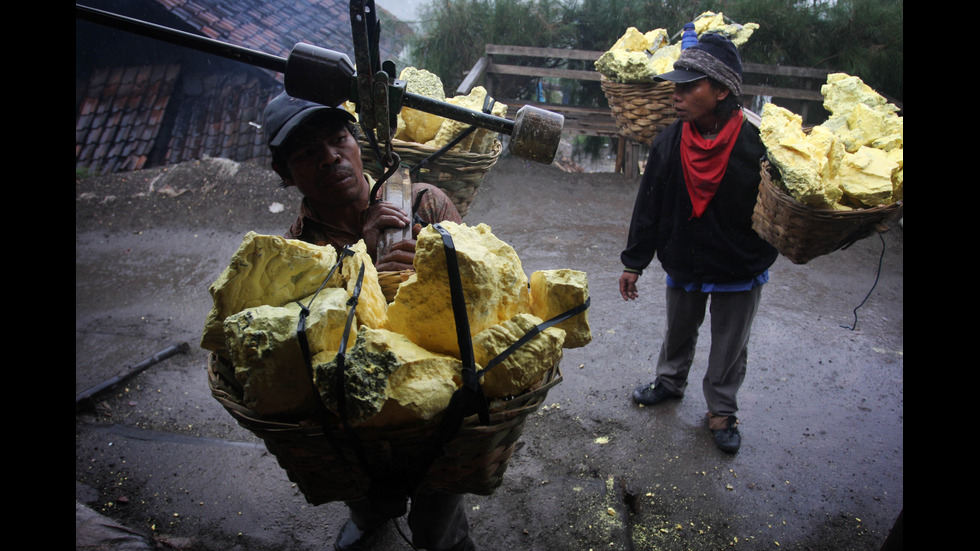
[322, 411]
[488, 103]
[304, 342]
[471, 382]
[533, 332]
[469, 398]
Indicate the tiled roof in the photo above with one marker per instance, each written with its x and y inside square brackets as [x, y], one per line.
[121, 115]
[134, 116]
[224, 121]
[274, 27]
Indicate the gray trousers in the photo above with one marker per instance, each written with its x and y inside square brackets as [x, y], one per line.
[437, 520]
[732, 314]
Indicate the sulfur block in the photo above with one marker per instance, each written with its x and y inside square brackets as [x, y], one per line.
[898, 177]
[802, 160]
[421, 387]
[265, 270]
[711, 22]
[663, 59]
[526, 365]
[843, 92]
[638, 57]
[419, 126]
[556, 291]
[386, 371]
[265, 352]
[628, 66]
[450, 129]
[866, 176]
[371, 304]
[493, 280]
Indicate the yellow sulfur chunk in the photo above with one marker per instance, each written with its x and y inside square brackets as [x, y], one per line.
[867, 126]
[371, 304]
[626, 66]
[265, 270]
[554, 292]
[388, 379]
[664, 58]
[450, 129]
[422, 385]
[632, 41]
[525, 365]
[638, 57]
[854, 159]
[350, 107]
[656, 39]
[710, 22]
[493, 281]
[842, 92]
[802, 161]
[898, 177]
[866, 176]
[264, 349]
[635, 41]
[419, 126]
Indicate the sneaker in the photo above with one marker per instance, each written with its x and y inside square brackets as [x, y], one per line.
[648, 395]
[728, 439]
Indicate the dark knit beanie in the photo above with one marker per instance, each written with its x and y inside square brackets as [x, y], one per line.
[713, 56]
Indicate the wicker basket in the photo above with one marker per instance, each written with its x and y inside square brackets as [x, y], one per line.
[801, 232]
[391, 280]
[641, 110]
[456, 173]
[474, 461]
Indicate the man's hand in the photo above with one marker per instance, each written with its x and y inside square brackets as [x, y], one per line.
[399, 258]
[378, 217]
[627, 285]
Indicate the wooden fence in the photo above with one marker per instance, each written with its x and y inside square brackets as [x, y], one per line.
[796, 88]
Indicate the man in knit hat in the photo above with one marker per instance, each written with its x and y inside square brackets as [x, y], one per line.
[693, 212]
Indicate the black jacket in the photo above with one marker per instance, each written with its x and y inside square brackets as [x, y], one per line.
[718, 247]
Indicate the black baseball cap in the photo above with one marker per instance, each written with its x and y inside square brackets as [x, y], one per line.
[284, 113]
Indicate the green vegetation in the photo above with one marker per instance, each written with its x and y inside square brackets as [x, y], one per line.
[858, 37]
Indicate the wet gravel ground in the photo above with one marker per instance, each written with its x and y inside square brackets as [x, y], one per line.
[822, 407]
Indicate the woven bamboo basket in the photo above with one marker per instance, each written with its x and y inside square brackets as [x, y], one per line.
[474, 461]
[391, 280]
[456, 173]
[641, 110]
[801, 232]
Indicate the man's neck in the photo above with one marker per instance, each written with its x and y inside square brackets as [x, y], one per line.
[347, 217]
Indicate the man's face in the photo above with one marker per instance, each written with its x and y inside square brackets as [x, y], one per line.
[696, 101]
[325, 166]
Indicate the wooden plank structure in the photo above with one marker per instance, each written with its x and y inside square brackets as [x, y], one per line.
[589, 121]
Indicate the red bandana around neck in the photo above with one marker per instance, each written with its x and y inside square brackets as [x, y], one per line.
[705, 161]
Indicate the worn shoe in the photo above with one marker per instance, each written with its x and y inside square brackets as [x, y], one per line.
[728, 439]
[352, 538]
[648, 395]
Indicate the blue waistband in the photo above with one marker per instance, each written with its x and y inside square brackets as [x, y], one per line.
[731, 286]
